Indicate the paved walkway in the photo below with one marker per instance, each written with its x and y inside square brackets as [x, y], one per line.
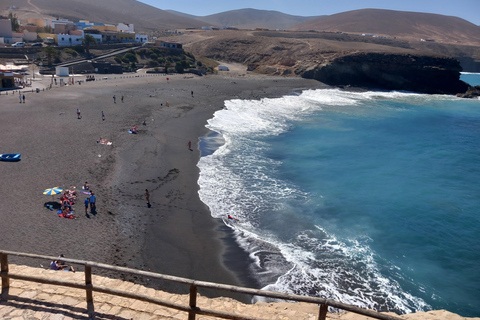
[29, 300]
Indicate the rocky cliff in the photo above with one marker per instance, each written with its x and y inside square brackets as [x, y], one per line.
[335, 59]
[418, 73]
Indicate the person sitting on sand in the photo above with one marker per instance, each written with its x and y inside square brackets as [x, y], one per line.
[85, 185]
[134, 129]
[55, 265]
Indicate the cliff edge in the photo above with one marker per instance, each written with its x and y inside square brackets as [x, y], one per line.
[406, 72]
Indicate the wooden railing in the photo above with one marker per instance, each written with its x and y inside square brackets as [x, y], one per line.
[192, 309]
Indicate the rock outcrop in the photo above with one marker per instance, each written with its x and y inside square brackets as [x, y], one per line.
[472, 92]
[417, 73]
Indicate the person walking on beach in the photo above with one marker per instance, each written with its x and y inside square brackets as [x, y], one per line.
[190, 145]
[114, 99]
[20, 97]
[78, 113]
[122, 99]
[23, 98]
[192, 93]
[103, 116]
[92, 199]
[147, 197]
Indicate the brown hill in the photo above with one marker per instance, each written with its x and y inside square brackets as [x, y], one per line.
[253, 18]
[143, 16]
[411, 26]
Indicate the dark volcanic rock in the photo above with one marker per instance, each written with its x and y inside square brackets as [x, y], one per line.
[472, 92]
[426, 74]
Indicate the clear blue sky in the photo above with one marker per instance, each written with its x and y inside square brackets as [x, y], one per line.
[465, 9]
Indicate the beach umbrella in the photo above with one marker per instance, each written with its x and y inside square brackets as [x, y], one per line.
[53, 191]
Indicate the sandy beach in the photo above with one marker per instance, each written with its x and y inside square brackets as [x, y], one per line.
[177, 235]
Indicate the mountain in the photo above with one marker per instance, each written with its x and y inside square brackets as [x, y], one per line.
[249, 19]
[143, 16]
[253, 18]
[411, 26]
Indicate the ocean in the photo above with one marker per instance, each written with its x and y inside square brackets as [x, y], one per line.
[370, 198]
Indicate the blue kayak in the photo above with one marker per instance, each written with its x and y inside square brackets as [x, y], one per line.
[10, 157]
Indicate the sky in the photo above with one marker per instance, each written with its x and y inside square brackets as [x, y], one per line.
[465, 9]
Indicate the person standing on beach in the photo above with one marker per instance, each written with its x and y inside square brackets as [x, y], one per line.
[114, 99]
[147, 197]
[103, 116]
[86, 205]
[192, 93]
[122, 99]
[23, 98]
[78, 113]
[190, 145]
[92, 199]
[20, 97]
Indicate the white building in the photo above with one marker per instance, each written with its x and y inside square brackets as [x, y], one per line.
[125, 27]
[62, 71]
[69, 40]
[141, 38]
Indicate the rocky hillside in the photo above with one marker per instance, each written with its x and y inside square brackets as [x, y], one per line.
[143, 16]
[411, 26]
[334, 59]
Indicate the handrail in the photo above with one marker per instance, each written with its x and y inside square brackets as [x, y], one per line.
[191, 308]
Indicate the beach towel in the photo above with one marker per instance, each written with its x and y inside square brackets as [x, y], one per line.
[85, 192]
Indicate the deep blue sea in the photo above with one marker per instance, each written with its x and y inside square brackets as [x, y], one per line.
[370, 198]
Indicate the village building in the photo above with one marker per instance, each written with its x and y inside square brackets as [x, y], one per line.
[165, 44]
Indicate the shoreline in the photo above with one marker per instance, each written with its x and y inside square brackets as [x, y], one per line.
[177, 235]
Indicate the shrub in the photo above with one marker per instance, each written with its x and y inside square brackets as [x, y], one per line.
[118, 60]
[179, 68]
[152, 63]
[153, 56]
[130, 57]
[79, 48]
[71, 52]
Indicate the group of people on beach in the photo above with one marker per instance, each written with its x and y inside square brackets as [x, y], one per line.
[67, 201]
[69, 198]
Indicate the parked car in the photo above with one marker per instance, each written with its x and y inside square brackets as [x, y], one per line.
[37, 44]
[18, 44]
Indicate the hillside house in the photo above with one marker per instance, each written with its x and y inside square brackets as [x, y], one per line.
[125, 27]
[174, 45]
[69, 40]
[126, 36]
[141, 38]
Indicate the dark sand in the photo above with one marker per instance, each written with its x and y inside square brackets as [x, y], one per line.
[177, 235]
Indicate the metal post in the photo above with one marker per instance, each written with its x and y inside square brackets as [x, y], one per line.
[88, 282]
[322, 314]
[193, 302]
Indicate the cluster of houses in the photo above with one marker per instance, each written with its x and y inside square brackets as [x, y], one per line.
[68, 33]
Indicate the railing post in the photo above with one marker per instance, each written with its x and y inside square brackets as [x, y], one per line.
[193, 302]
[4, 270]
[322, 314]
[88, 282]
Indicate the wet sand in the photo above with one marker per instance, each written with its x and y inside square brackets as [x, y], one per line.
[176, 235]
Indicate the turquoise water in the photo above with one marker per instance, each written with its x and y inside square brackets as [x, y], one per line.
[367, 198]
